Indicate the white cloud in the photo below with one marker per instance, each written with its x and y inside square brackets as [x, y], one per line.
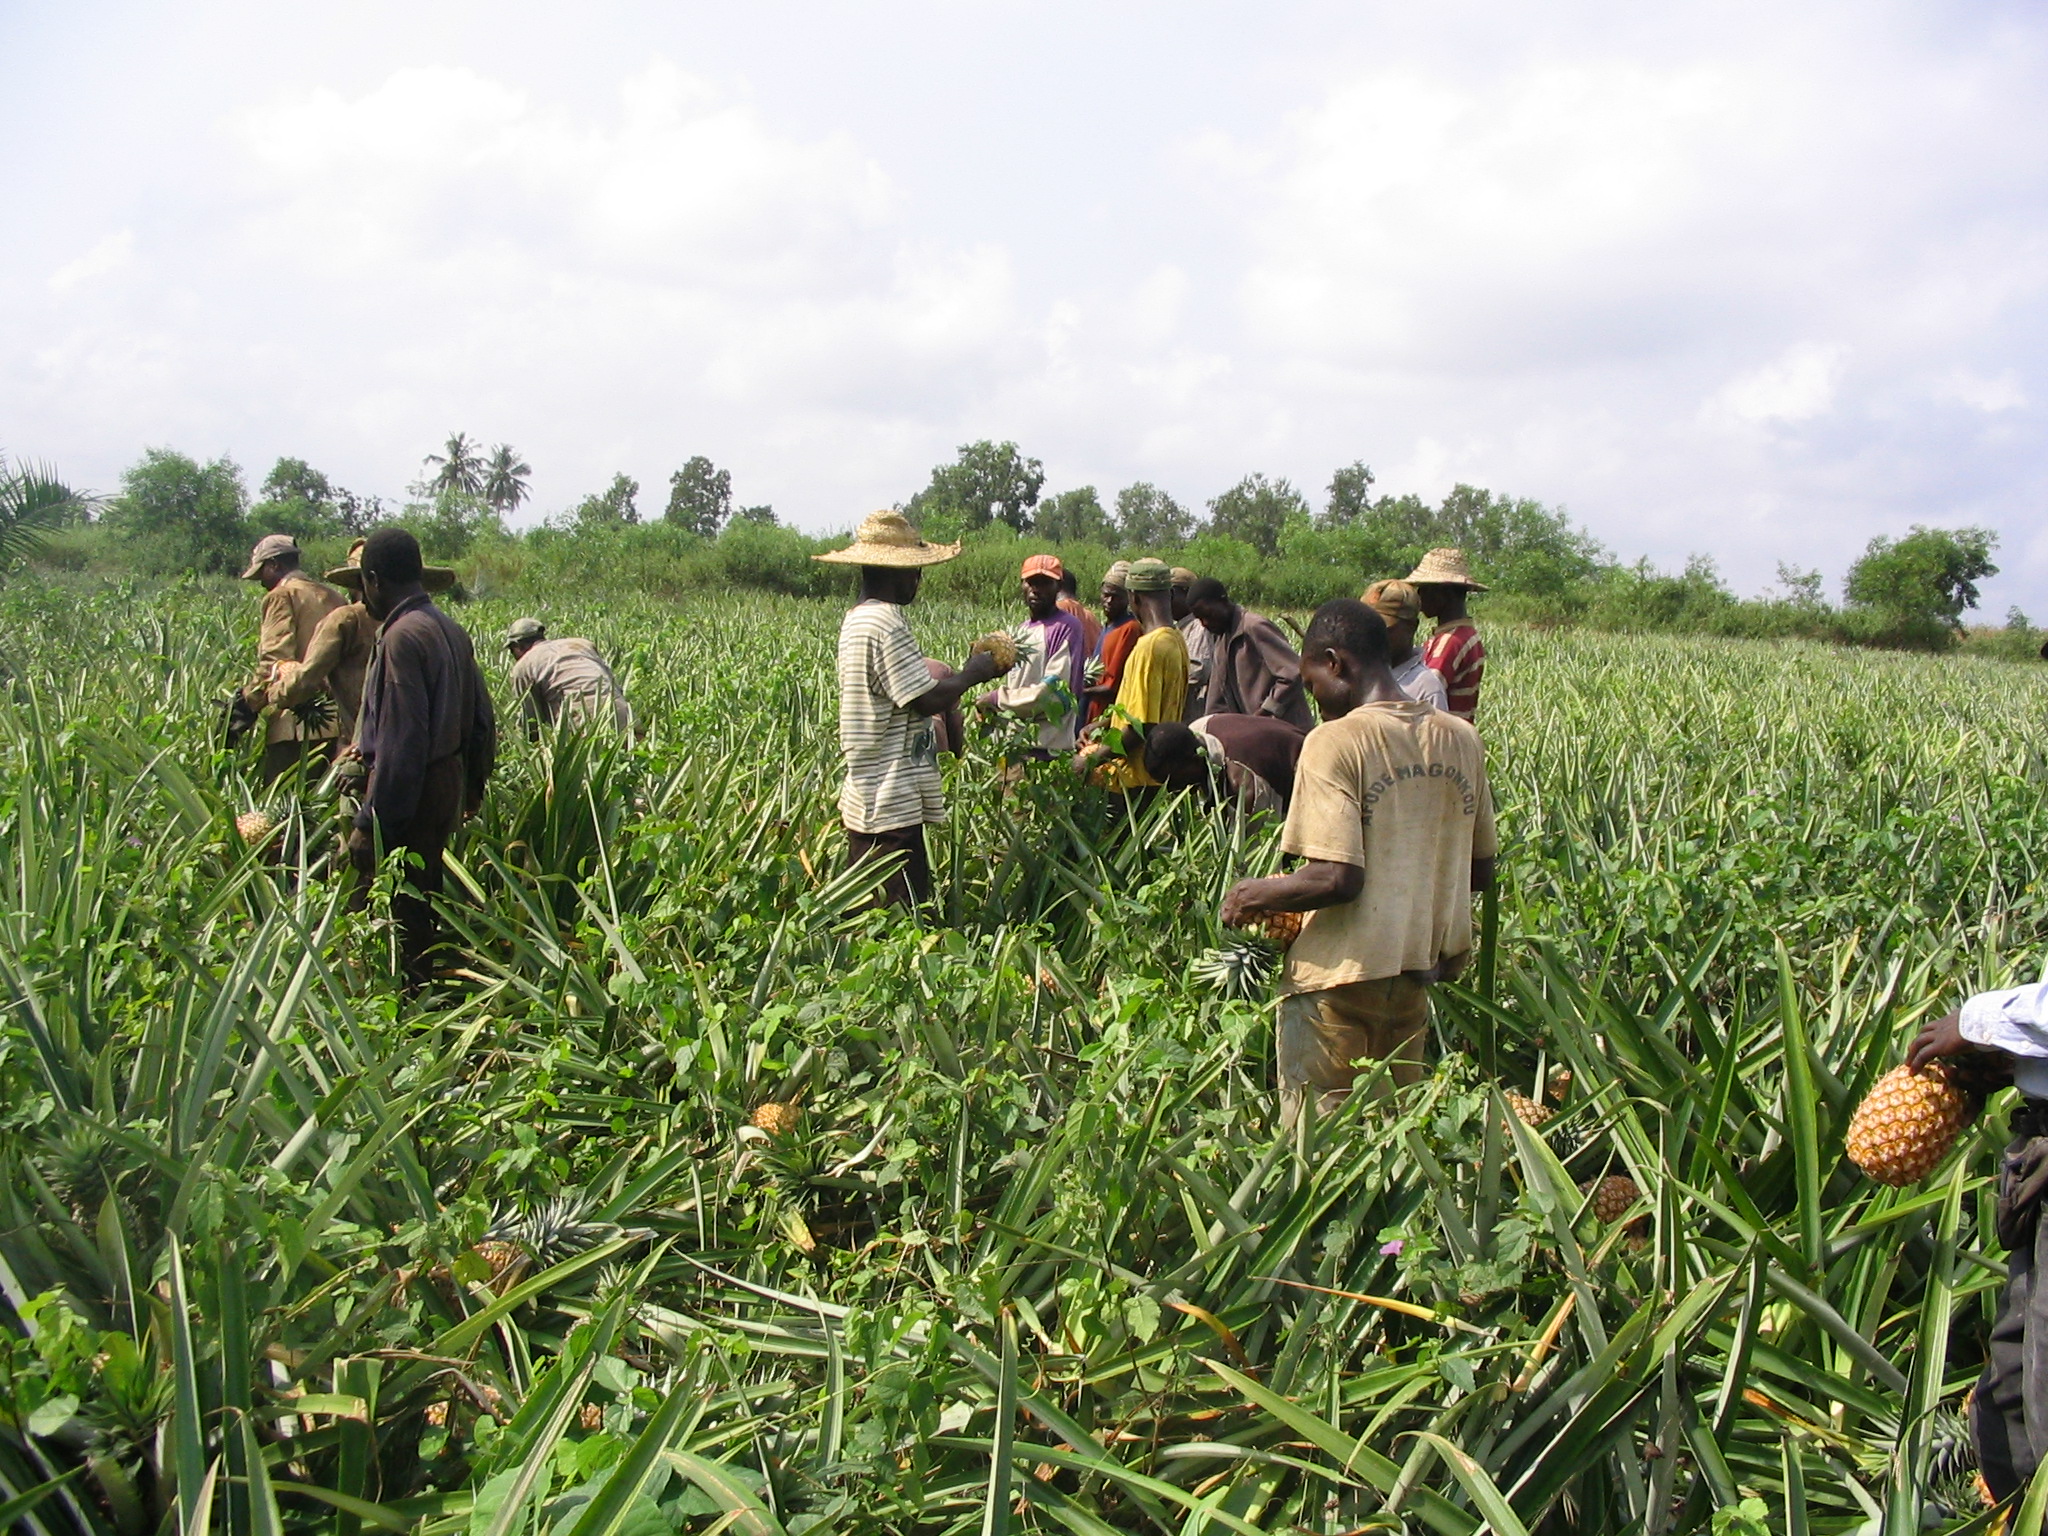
[1796, 386]
[106, 256]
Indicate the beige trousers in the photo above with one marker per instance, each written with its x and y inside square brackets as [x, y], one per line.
[1324, 1034]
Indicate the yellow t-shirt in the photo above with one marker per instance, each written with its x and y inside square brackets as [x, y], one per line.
[1400, 791]
[1154, 688]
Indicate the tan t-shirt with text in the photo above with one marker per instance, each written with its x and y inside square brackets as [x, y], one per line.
[1400, 791]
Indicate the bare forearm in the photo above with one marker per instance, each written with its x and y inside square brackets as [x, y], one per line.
[1317, 884]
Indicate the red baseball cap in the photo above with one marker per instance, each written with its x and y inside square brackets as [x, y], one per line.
[1045, 565]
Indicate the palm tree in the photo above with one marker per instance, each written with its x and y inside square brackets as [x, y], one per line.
[461, 470]
[505, 476]
[34, 503]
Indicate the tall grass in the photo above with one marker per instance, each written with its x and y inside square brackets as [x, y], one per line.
[279, 1254]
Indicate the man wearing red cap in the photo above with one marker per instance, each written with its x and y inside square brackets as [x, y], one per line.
[1045, 685]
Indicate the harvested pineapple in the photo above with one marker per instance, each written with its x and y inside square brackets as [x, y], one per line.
[776, 1119]
[999, 647]
[1909, 1120]
[1282, 928]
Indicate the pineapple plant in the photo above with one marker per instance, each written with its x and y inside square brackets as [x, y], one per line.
[1909, 1120]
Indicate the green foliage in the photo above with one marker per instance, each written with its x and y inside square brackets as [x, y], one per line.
[1148, 521]
[505, 477]
[176, 514]
[1035, 1243]
[1350, 495]
[617, 503]
[1074, 517]
[458, 469]
[34, 504]
[1256, 511]
[1917, 588]
[700, 498]
[986, 483]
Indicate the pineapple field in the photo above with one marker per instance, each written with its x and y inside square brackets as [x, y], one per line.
[699, 1200]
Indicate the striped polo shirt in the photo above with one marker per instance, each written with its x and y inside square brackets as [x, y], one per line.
[891, 752]
[1460, 656]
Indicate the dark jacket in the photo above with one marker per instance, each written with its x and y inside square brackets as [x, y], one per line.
[424, 700]
[1256, 672]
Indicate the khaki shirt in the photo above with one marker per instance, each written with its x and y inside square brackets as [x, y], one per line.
[292, 611]
[565, 682]
[335, 662]
[1398, 790]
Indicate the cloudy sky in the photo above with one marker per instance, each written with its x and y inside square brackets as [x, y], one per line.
[1754, 280]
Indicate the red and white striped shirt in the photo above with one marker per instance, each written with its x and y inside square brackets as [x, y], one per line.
[1460, 656]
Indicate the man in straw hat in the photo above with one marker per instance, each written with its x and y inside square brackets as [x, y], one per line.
[338, 656]
[1442, 582]
[1400, 606]
[563, 682]
[293, 606]
[1119, 633]
[1045, 686]
[1153, 688]
[427, 732]
[888, 698]
[1392, 823]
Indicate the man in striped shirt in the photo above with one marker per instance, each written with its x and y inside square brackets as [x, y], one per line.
[1443, 582]
[888, 702]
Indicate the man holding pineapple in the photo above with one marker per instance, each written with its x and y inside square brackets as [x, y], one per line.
[1045, 686]
[293, 606]
[888, 701]
[1392, 821]
[1993, 1035]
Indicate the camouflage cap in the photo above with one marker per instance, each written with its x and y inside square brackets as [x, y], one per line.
[269, 547]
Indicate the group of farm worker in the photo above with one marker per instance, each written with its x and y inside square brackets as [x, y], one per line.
[1388, 817]
[384, 686]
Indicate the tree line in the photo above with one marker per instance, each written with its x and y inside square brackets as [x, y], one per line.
[1262, 535]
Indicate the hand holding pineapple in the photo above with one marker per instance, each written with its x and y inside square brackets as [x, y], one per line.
[1914, 1113]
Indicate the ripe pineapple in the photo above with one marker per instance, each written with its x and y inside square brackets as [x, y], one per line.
[1612, 1197]
[1909, 1120]
[255, 826]
[776, 1119]
[999, 647]
[1528, 1111]
[1282, 928]
[1560, 1086]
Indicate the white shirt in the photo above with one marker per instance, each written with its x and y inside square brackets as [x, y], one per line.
[891, 751]
[2014, 1021]
[1421, 681]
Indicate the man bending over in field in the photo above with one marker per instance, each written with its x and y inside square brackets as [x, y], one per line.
[563, 682]
[1393, 823]
[888, 699]
[427, 733]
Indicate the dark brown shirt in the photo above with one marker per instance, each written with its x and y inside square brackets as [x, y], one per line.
[423, 701]
[1269, 747]
[1256, 672]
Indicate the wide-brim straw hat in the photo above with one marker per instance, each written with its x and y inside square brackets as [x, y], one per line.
[886, 538]
[435, 578]
[1445, 568]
